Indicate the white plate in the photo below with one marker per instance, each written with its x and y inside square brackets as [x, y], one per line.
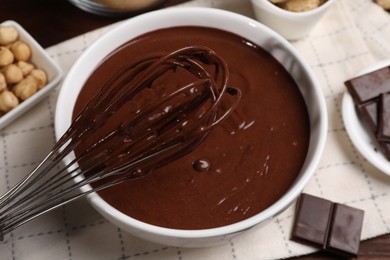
[41, 60]
[358, 133]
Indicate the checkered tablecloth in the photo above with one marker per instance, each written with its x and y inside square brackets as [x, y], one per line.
[352, 35]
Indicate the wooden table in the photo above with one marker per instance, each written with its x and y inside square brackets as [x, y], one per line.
[53, 21]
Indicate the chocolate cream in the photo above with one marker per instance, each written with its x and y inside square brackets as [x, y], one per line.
[244, 165]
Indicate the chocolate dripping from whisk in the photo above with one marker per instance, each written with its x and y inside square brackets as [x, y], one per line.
[179, 143]
[198, 108]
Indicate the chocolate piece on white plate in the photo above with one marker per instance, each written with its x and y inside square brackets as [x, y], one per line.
[369, 86]
[384, 118]
[370, 95]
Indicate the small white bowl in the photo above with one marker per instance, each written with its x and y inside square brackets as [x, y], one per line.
[358, 132]
[291, 25]
[97, 8]
[41, 60]
[248, 28]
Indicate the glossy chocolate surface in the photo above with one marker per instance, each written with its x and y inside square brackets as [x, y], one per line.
[245, 164]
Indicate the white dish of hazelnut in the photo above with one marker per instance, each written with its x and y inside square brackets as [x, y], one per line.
[27, 72]
[293, 19]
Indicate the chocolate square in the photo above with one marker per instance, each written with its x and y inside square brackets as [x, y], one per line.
[345, 230]
[369, 86]
[369, 114]
[385, 149]
[384, 118]
[311, 220]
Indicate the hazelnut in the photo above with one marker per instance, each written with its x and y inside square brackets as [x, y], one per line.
[8, 101]
[21, 50]
[3, 83]
[278, 1]
[301, 5]
[6, 56]
[26, 88]
[25, 67]
[40, 76]
[384, 3]
[13, 74]
[8, 34]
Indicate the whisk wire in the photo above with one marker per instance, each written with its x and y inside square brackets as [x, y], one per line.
[161, 132]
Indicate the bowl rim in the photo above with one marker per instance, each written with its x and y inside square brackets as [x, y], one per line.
[271, 211]
[304, 14]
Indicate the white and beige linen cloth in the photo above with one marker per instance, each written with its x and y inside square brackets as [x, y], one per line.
[352, 35]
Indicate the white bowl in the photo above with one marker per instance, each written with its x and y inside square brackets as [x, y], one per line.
[241, 25]
[291, 25]
[41, 60]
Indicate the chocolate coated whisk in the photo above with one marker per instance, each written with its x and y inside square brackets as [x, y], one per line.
[155, 133]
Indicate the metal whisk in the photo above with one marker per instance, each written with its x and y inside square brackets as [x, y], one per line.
[157, 133]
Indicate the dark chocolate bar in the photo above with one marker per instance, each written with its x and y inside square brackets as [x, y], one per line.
[369, 114]
[312, 220]
[377, 124]
[345, 230]
[385, 148]
[369, 86]
[330, 226]
[384, 120]
[370, 95]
